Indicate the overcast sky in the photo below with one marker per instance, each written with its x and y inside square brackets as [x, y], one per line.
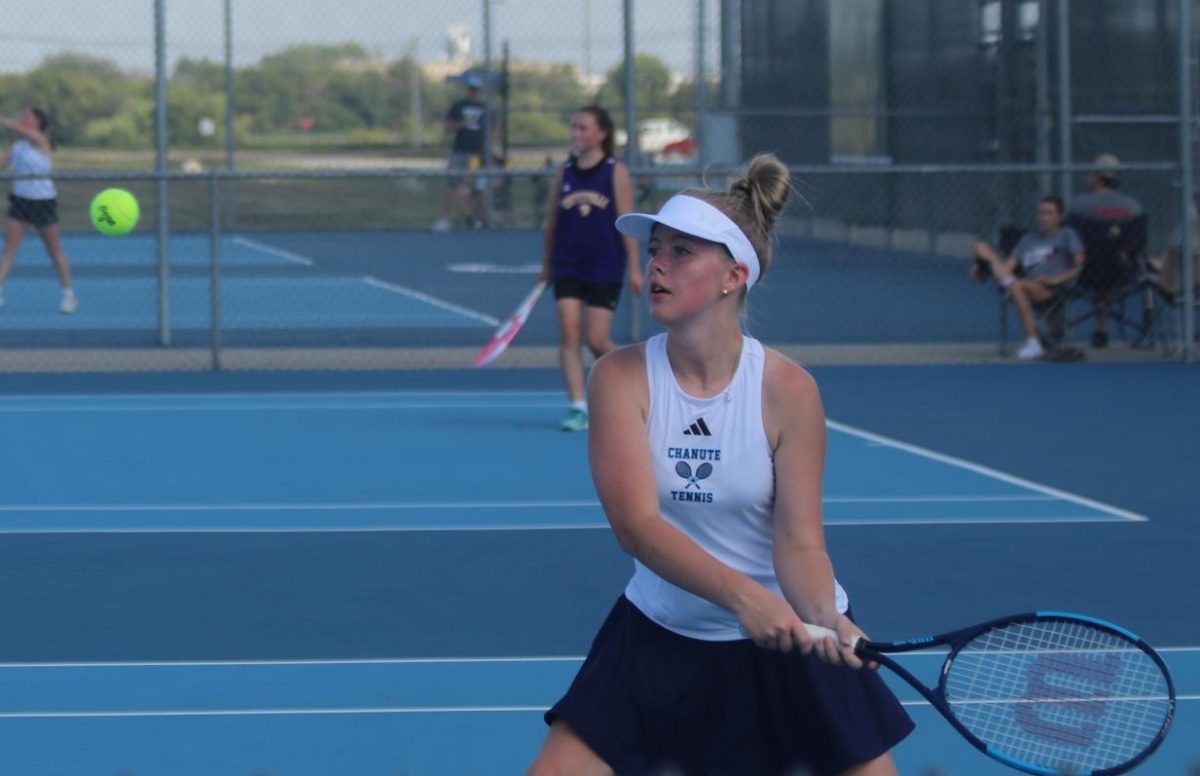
[554, 30]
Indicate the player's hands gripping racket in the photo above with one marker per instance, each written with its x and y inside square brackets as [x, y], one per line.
[508, 330]
[1046, 692]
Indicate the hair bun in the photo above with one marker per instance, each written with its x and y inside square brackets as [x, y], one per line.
[766, 187]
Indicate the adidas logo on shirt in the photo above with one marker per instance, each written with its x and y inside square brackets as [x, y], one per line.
[699, 428]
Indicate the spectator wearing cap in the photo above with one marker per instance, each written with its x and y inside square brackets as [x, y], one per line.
[1103, 201]
[464, 127]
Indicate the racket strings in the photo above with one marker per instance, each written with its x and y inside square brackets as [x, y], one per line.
[1057, 694]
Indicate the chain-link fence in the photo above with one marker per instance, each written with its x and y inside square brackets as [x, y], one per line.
[291, 165]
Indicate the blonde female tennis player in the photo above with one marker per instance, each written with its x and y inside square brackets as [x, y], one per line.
[707, 451]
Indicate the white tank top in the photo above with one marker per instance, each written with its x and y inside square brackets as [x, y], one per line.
[716, 483]
[27, 159]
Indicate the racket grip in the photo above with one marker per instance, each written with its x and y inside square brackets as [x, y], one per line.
[819, 632]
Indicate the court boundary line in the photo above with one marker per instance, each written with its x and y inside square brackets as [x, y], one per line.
[987, 471]
[421, 296]
[370, 280]
[298, 258]
[366, 529]
[347, 711]
[393, 661]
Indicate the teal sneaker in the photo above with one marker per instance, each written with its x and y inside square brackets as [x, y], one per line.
[576, 420]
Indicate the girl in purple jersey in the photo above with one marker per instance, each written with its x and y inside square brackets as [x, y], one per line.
[583, 255]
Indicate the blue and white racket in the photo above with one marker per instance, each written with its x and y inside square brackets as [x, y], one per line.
[1046, 692]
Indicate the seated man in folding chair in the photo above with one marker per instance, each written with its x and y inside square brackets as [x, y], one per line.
[1111, 267]
[1038, 271]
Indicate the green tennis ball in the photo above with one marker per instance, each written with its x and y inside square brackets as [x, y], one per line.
[114, 212]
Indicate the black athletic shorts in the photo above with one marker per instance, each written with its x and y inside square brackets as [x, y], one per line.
[604, 295]
[35, 212]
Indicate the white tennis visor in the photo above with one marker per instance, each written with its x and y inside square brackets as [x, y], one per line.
[698, 218]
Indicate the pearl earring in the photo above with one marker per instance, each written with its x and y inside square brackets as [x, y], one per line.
[724, 292]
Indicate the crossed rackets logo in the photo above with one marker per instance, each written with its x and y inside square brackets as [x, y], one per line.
[683, 469]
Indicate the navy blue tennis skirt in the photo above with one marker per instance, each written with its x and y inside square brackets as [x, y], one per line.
[649, 701]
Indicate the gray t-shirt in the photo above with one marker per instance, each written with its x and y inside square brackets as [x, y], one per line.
[1043, 255]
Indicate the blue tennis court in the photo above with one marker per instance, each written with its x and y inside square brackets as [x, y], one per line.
[423, 289]
[315, 574]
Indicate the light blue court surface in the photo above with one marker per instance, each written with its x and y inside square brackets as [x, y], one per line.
[294, 533]
[374, 718]
[284, 303]
[262, 287]
[414, 461]
[141, 250]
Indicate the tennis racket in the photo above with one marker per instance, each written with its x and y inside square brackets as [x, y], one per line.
[1047, 692]
[508, 330]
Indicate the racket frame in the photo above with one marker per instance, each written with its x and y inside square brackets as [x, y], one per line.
[878, 651]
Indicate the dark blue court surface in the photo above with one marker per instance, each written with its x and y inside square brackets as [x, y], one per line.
[397, 573]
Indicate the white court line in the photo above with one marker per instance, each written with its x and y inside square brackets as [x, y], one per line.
[265, 395]
[396, 661]
[988, 472]
[298, 258]
[433, 300]
[465, 528]
[370, 661]
[274, 712]
[298, 507]
[334, 711]
[280, 407]
[373, 281]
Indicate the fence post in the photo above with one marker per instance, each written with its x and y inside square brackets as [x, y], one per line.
[1186, 188]
[1064, 99]
[633, 157]
[160, 137]
[214, 248]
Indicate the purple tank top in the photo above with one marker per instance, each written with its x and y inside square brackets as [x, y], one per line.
[586, 242]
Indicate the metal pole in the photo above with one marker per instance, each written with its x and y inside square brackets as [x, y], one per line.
[701, 80]
[729, 58]
[632, 152]
[1042, 43]
[229, 113]
[160, 137]
[414, 93]
[214, 247]
[587, 41]
[1186, 189]
[487, 111]
[1064, 97]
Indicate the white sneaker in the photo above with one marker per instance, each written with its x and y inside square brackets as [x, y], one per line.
[441, 225]
[69, 303]
[1031, 349]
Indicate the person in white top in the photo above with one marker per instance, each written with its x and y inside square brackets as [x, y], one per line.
[707, 452]
[33, 201]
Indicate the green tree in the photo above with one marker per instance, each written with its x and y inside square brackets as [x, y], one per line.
[541, 101]
[652, 88]
[75, 89]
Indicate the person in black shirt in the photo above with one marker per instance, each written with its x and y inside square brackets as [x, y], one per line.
[464, 127]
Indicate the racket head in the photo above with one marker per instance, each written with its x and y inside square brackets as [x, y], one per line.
[1050, 692]
[507, 331]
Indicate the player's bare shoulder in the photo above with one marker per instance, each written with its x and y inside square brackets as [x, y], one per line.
[623, 367]
[790, 393]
